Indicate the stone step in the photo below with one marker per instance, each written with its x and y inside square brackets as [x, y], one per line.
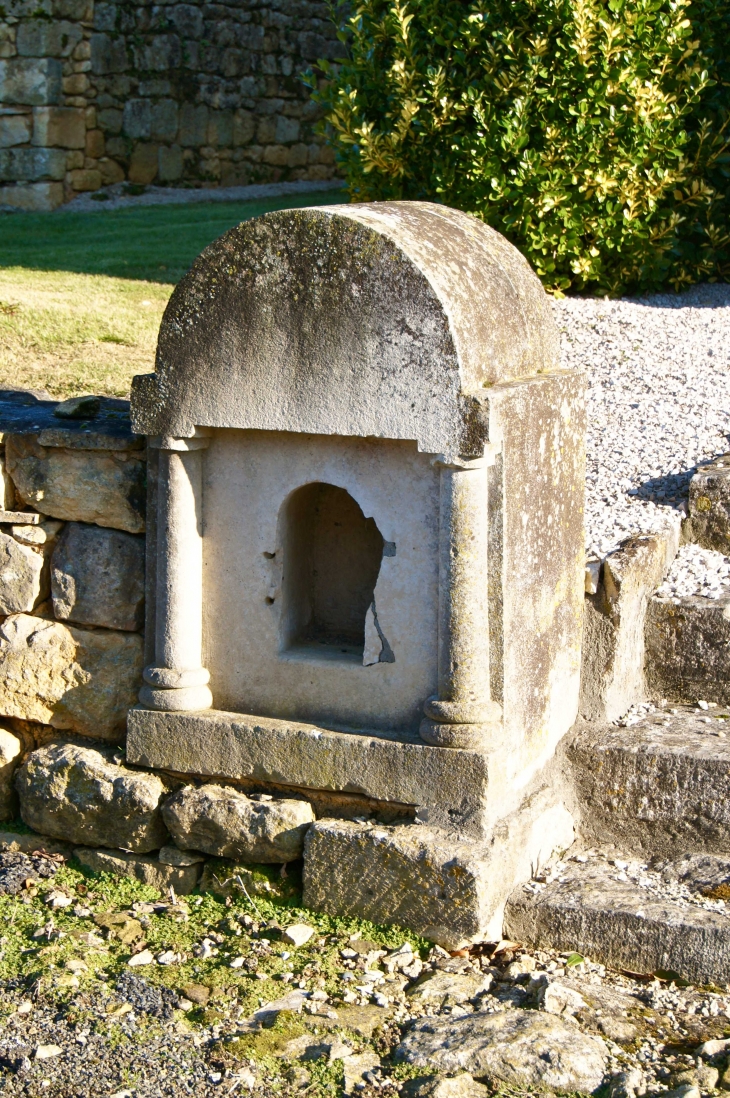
[658, 788]
[630, 917]
[687, 649]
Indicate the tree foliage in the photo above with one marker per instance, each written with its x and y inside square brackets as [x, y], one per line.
[593, 133]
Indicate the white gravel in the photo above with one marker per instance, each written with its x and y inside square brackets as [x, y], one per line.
[697, 571]
[658, 402]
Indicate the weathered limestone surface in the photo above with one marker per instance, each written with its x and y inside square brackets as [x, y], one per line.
[449, 786]
[708, 874]
[23, 576]
[222, 821]
[81, 795]
[449, 890]
[69, 678]
[410, 261]
[709, 504]
[460, 1086]
[103, 485]
[149, 871]
[11, 749]
[536, 499]
[97, 577]
[656, 788]
[612, 675]
[687, 646]
[457, 987]
[524, 1049]
[622, 925]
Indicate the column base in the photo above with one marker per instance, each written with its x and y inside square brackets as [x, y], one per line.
[183, 699]
[475, 737]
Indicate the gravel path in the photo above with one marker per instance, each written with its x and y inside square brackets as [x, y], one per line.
[658, 402]
[118, 196]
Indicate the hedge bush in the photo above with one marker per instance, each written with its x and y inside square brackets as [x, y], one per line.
[592, 133]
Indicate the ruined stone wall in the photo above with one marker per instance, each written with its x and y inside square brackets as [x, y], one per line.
[95, 92]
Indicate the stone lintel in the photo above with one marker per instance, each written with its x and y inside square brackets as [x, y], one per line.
[448, 785]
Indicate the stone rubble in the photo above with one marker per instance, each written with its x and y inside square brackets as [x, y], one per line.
[220, 820]
[523, 1049]
[11, 750]
[97, 577]
[81, 795]
[78, 679]
[637, 1035]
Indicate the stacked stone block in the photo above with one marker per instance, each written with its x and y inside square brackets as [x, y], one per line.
[198, 94]
[71, 574]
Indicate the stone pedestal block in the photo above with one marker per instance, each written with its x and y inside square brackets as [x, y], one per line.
[709, 504]
[450, 891]
[612, 674]
[622, 925]
[687, 643]
[655, 789]
[450, 789]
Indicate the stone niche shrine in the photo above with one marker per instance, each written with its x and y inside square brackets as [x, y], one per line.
[365, 551]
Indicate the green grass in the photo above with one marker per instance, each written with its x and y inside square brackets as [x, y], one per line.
[90, 997]
[82, 294]
[152, 243]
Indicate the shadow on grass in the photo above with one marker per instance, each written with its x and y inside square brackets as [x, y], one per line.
[154, 243]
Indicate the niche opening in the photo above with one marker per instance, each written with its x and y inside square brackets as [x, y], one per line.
[332, 557]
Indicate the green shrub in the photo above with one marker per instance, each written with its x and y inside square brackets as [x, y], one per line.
[592, 133]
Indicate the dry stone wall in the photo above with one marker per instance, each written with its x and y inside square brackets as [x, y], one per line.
[94, 92]
[71, 574]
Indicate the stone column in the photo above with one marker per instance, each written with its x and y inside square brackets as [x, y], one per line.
[462, 713]
[177, 680]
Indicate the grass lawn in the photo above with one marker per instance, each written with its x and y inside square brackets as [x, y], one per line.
[82, 294]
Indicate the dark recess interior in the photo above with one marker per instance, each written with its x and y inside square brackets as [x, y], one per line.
[332, 557]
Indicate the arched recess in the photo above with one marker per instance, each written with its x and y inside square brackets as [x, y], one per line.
[332, 557]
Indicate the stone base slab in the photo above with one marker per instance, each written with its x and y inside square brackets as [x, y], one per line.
[450, 891]
[622, 925]
[448, 786]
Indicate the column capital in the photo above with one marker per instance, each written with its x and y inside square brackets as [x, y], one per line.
[199, 441]
[465, 465]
